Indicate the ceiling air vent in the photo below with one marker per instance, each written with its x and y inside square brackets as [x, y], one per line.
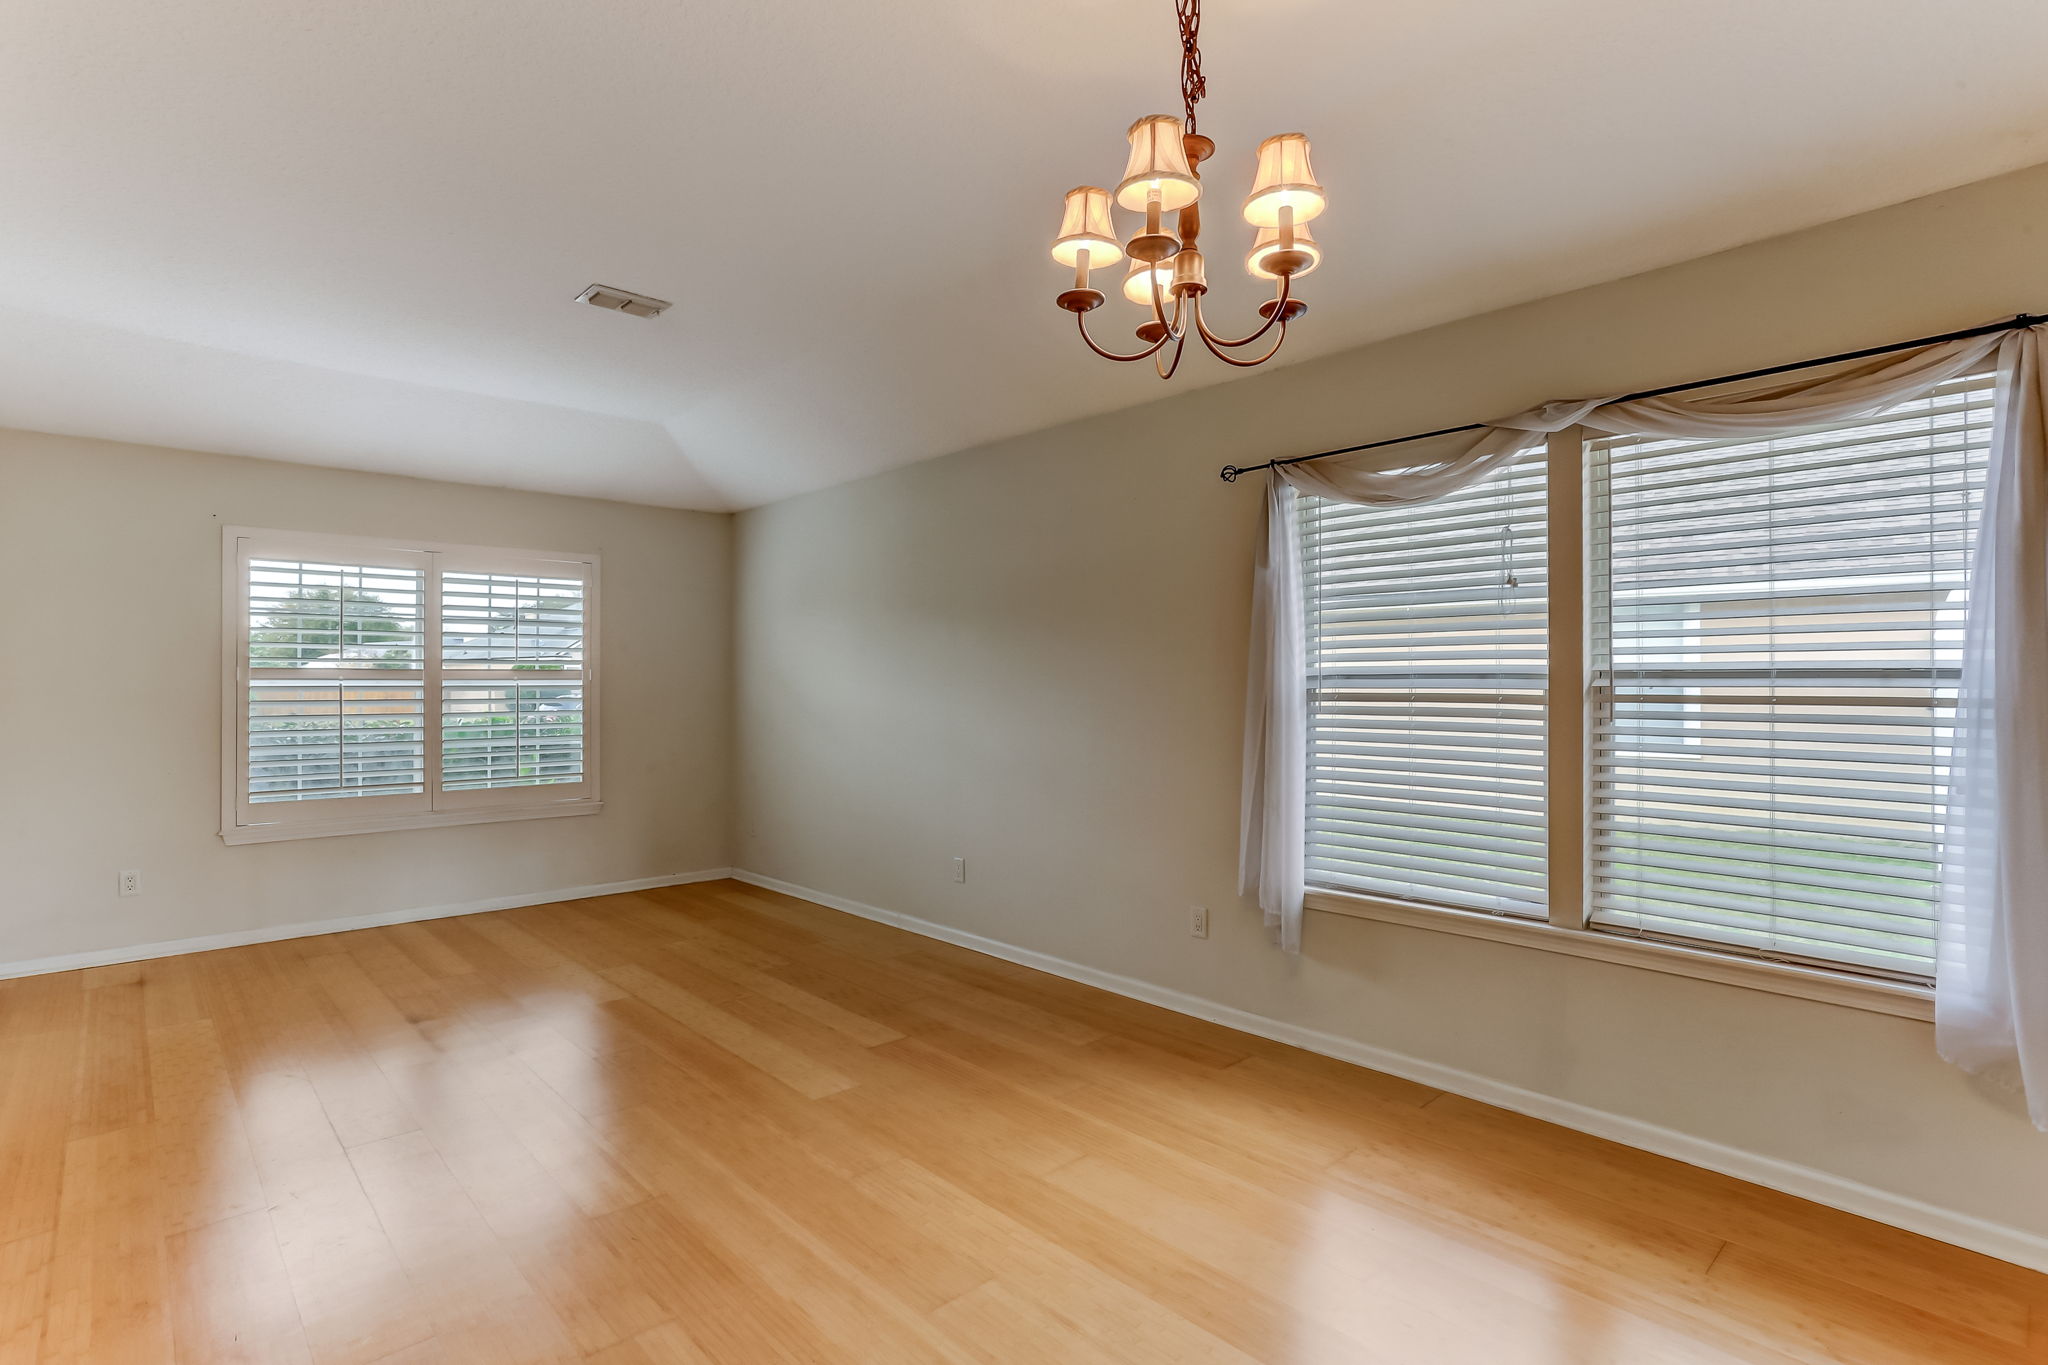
[622, 301]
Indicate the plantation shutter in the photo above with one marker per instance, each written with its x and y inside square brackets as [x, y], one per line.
[329, 701]
[1426, 676]
[513, 688]
[1777, 629]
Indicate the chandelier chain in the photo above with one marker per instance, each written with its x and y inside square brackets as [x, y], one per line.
[1192, 86]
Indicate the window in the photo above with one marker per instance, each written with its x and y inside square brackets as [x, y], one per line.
[1738, 740]
[376, 686]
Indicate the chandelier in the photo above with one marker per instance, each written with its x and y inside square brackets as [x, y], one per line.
[1166, 276]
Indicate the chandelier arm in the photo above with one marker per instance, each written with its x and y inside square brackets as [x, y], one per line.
[1214, 341]
[1146, 354]
[1180, 343]
[1178, 328]
[1271, 351]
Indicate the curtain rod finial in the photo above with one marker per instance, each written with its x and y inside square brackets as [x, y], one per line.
[1229, 473]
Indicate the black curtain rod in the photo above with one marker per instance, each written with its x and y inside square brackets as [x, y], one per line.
[1230, 472]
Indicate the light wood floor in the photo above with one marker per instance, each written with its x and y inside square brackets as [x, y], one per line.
[712, 1123]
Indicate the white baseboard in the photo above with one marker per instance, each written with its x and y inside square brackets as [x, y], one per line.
[272, 933]
[1964, 1230]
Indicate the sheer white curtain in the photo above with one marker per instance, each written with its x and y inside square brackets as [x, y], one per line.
[1991, 971]
[1992, 986]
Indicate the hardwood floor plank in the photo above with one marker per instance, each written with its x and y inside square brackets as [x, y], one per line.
[24, 1292]
[699, 1281]
[664, 1344]
[797, 1070]
[170, 992]
[570, 1149]
[1999, 1298]
[231, 1297]
[790, 1176]
[707, 1086]
[1378, 1289]
[1103, 1309]
[593, 1291]
[1812, 1315]
[373, 1021]
[241, 994]
[108, 1296]
[355, 1299]
[432, 956]
[717, 1125]
[851, 1312]
[669, 922]
[1000, 1325]
[204, 1168]
[113, 1073]
[429, 1001]
[595, 941]
[539, 960]
[115, 974]
[751, 983]
[481, 1303]
[40, 1076]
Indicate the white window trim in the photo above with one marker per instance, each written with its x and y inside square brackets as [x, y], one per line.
[1567, 732]
[1899, 998]
[453, 808]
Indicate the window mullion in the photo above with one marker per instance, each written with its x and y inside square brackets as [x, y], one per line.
[1566, 701]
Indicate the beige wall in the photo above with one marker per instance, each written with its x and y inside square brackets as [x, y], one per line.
[110, 674]
[1030, 654]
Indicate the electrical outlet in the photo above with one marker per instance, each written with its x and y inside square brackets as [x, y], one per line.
[959, 869]
[1198, 921]
[131, 882]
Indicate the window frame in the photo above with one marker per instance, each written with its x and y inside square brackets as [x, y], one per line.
[1569, 706]
[244, 822]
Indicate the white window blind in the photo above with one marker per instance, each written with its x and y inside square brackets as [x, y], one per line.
[1776, 641]
[374, 686]
[1426, 674]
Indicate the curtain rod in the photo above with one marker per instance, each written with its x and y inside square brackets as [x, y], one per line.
[1230, 472]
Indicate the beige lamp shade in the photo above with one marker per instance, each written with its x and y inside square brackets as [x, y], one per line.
[1086, 226]
[1268, 242]
[1285, 181]
[1158, 161]
[1138, 283]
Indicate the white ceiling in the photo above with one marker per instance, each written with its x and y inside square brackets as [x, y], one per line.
[351, 232]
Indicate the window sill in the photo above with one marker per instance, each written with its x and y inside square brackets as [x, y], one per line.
[271, 834]
[1779, 978]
